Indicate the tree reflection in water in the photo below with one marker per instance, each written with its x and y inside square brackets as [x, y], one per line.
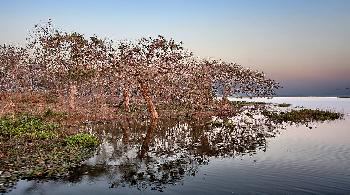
[163, 152]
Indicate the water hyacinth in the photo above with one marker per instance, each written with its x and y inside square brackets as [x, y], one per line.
[82, 140]
[26, 125]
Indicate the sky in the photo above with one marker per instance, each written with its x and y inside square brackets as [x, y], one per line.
[303, 44]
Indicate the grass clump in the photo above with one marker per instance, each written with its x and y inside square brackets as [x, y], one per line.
[84, 140]
[303, 115]
[26, 125]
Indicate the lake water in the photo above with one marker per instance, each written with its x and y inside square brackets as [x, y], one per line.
[187, 158]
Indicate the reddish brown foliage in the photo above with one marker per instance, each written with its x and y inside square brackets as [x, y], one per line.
[94, 75]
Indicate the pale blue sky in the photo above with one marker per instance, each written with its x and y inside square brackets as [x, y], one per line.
[304, 44]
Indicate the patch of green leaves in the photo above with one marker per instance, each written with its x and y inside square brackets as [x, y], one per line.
[223, 123]
[26, 125]
[84, 140]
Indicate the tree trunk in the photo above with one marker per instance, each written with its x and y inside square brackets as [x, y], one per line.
[126, 130]
[126, 135]
[225, 94]
[72, 94]
[149, 135]
[147, 96]
[126, 101]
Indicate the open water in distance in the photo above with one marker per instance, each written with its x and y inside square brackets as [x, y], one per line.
[186, 158]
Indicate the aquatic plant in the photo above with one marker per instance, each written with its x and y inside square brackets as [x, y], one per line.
[31, 147]
[303, 115]
[82, 139]
[26, 125]
[283, 105]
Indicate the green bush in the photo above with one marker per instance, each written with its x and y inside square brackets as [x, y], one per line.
[82, 139]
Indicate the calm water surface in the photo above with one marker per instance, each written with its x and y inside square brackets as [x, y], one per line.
[190, 158]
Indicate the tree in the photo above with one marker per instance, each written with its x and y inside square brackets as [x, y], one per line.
[165, 72]
[233, 79]
[11, 68]
[157, 69]
[150, 64]
[69, 58]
